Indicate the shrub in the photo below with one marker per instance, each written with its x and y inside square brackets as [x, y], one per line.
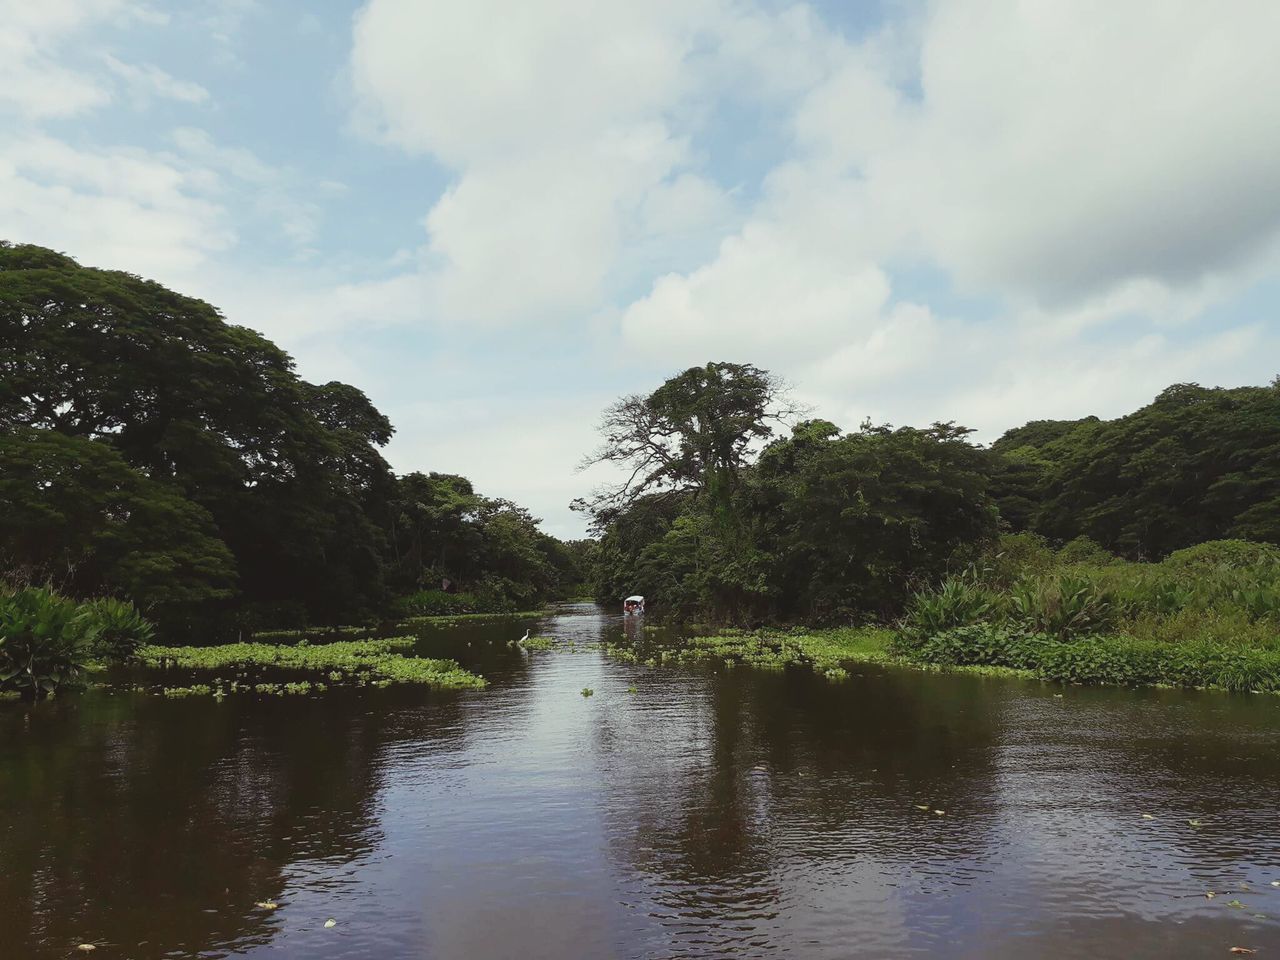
[1082, 550]
[1018, 555]
[1219, 554]
[1064, 606]
[114, 628]
[1189, 626]
[982, 644]
[45, 641]
[958, 602]
[1130, 662]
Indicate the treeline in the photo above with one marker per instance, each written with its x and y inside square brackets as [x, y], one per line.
[723, 520]
[152, 451]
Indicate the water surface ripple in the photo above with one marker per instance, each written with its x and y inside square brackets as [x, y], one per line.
[731, 813]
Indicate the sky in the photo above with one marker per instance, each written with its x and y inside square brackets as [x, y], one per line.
[496, 217]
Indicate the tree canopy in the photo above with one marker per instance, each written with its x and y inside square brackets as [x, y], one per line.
[1196, 464]
[155, 450]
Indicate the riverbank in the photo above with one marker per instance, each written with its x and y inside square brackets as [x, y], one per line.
[985, 650]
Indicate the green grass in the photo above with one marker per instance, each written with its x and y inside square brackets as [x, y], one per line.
[360, 662]
[539, 643]
[826, 651]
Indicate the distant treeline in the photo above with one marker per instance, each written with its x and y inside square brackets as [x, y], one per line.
[152, 451]
[723, 520]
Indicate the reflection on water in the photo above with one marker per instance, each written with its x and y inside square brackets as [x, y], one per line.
[733, 813]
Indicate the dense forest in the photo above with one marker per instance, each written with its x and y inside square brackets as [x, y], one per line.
[724, 519]
[152, 451]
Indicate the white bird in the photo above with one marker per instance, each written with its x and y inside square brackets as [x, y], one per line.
[525, 637]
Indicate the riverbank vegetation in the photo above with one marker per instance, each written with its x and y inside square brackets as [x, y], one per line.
[156, 453]
[380, 662]
[1134, 551]
[47, 640]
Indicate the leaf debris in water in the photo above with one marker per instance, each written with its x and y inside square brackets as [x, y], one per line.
[87, 947]
[330, 923]
[267, 905]
[922, 806]
[1147, 816]
[1243, 950]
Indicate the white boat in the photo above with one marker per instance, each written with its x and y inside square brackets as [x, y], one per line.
[633, 606]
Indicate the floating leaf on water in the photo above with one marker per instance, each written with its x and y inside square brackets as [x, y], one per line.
[87, 947]
[1147, 816]
[587, 691]
[267, 905]
[1195, 823]
[330, 923]
[940, 813]
[1243, 950]
[633, 690]
[1210, 895]
[1275, 883]
[922, 806]
[1235, 903]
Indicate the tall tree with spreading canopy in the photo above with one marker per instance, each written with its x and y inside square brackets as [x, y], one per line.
[695, 432]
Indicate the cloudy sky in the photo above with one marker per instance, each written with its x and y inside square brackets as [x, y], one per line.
[496, 216]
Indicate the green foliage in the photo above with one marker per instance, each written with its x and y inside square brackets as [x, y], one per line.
[45, 641]
[117, 628]
[1208, 616]
[1063, 605]
[823, 527]
[957, 602]
[980, 644]
[695, 432]
[362, 661]
[1194, 465]
[154, 451]
[851, 521]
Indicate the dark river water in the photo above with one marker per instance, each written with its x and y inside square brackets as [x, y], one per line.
[736, 813]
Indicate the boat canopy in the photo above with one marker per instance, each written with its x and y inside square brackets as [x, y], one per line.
[637, 599]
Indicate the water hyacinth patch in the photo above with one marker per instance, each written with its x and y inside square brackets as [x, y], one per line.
[361, 662]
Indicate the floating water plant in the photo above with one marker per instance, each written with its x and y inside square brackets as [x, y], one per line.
[373, 662]
[587, 691]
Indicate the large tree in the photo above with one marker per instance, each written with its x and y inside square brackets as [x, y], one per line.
[852, 521]
[214, 412]
[696, 432]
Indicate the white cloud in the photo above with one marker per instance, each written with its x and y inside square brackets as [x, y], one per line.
[146, 81]
[1089, 171]
[567, 125]
[1058, 149]
[121, 208]
[36, 81]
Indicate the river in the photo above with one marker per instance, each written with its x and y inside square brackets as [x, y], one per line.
[704, 813]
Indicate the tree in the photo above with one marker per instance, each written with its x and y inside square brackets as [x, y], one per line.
[74, 513]
[1196, 464]
[694, 432]
[289, 471]
[852, 521]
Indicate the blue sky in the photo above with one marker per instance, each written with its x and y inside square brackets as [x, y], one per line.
[496, 217]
